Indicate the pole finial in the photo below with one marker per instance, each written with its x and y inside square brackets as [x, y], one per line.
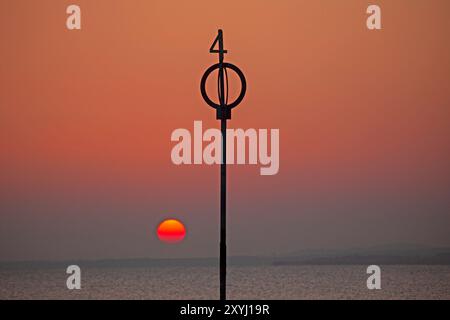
[223, 108]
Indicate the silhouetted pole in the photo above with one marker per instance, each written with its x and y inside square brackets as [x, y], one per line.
[223, 113]
[223, 214]
[223, 179]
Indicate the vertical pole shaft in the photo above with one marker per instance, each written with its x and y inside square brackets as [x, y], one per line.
[223, 178]
[223, 213]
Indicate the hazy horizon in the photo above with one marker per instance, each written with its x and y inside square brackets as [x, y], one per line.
[415, 250]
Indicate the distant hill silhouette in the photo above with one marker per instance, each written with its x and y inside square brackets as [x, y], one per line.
[380, 255]
[384, 254]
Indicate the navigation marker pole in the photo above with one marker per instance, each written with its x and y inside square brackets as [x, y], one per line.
[223, 113]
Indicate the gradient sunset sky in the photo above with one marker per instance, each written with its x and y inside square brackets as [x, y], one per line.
[86, 118]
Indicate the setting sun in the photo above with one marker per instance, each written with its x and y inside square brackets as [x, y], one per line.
[171, 231]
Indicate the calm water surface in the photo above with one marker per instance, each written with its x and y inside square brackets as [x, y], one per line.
[265, 282]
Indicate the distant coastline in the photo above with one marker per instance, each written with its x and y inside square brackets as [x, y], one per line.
[381, 255]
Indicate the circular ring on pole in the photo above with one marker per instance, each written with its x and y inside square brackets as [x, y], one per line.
[241, 77]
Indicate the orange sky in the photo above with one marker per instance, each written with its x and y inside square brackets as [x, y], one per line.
[86, 118]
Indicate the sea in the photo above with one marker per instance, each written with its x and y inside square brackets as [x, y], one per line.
[306, 282]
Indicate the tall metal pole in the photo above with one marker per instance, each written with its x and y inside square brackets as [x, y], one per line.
[223, 179]
[223, 113]
[223, 213]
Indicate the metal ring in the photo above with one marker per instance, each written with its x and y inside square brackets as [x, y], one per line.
[205, 77]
